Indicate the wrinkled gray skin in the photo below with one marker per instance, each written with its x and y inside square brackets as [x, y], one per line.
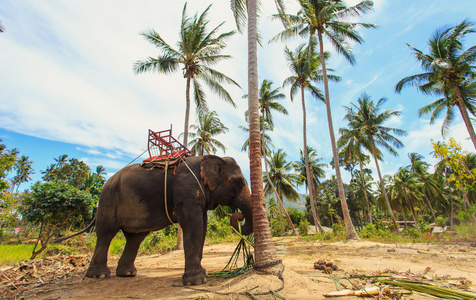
[133, 201]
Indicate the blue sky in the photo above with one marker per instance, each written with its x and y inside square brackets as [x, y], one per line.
[67, 85]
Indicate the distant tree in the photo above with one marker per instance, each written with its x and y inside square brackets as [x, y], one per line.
[24, 170]
[54, 206]
[7, 161]
[72, 171]
[203, 138]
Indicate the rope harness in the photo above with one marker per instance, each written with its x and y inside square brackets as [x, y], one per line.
[165, 164]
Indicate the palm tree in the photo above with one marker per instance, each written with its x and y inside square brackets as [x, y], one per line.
[24, 170]
[198, 50]
[282, 182]
[2, 29]
[208, 126]
[448, 71]
[266, 256]
[266, 142]
[61, 160]
[406, 186]
[316, 171]
[352, 142]
[326, 18]
[304, 65]
[368, 121]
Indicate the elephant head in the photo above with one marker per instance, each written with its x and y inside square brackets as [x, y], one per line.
[227, 186]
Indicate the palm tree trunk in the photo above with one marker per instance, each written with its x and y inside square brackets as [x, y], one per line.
[365, 190]
[179, 245]
[431, 207]
[265, 251]
[315, 213]
[464, 114]
[384, 191]
[415, 219]
[312, 198]
[278, 197]
[351, 233]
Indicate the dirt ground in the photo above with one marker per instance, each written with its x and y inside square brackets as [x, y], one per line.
[159, 276]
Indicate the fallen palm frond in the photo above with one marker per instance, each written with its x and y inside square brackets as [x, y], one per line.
[243, 249]
[442, 292]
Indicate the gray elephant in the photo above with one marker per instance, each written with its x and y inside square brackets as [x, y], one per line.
[133, 201]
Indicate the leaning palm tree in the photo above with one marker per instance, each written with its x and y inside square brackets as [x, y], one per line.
[316, 171]
[304, 65]
[281, 181]
[326, 18]
[367, 120]
[208, 125]
[198, 49]
[448, 71]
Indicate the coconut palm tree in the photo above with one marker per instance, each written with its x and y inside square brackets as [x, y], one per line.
[352, 143]
[304, 65]
[326, 18]
[448, 71]
[266, 142]
[281, 181]
[198, 50]
[368, 120]
[266, 256]
[316, 171]
[208, 125]
[406, 186]
[24, 170]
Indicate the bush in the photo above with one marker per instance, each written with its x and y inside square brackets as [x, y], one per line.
[303, 227]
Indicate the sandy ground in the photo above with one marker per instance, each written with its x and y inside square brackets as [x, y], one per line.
[159, 276]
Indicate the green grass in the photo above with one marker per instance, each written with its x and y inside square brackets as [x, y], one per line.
[11, 254]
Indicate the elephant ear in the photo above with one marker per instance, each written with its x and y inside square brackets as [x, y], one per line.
[211, 170]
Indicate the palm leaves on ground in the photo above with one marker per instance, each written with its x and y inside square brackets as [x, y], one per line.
[198, 50]
[367, 120]
[326, 18]
[448, 71]
[207, 127]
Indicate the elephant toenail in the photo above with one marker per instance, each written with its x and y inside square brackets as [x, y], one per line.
[102, 276]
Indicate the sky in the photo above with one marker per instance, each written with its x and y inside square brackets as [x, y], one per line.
[67, 84]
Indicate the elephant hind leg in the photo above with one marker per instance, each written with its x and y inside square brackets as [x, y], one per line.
[125, 266]
[98, 265]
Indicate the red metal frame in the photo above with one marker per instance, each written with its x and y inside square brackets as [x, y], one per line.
[162, 145]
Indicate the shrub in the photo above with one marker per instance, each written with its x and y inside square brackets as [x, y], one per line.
[303, 227]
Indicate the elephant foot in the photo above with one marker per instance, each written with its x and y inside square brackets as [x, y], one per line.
[126, 271]
[195, 278]
[98, 272]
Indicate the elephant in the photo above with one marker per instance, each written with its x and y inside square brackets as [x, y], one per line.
[132, 200]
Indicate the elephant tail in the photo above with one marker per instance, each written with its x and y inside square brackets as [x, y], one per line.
[93, 222]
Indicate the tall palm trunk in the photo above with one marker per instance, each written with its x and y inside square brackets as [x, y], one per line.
[464, 114]
[365, 190]
[351, 233]
[315, 214]
[384, 191]
[312, 197]
[412, 209]
[179, 245]
[278, 197]
[265, 251]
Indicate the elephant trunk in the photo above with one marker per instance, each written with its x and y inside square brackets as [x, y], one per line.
[243, 202]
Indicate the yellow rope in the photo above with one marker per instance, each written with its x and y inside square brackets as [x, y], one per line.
[165, 192]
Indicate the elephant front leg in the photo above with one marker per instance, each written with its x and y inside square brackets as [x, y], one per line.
[194, 232]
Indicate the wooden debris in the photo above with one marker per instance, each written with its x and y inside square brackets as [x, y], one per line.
[16, 279]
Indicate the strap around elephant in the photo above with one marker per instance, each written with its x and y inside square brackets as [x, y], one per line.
[165, 192]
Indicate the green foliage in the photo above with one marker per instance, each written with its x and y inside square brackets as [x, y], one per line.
[413, 233]
[56, 204]
[7, 161]
[219, 230]
[72, 171]
[466, 230]
[303, 227]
